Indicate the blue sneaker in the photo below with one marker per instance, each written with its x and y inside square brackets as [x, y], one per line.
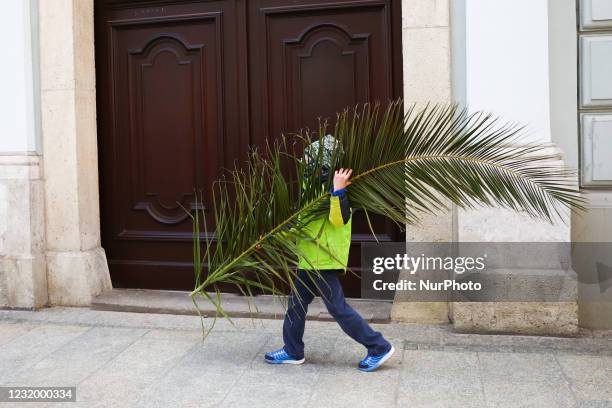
[371, 363]
[280, 356]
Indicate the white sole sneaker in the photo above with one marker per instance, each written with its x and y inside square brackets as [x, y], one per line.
[295, 362]
[388, 356]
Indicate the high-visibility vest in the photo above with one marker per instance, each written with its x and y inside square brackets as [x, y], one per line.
[335, 236]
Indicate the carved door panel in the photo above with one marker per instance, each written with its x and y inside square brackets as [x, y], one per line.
[169, 120]
[314, 59]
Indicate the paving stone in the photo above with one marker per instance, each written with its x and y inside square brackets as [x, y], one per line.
[165, 334]
[594, 404]
[435, 364]
[590, 376]
[127, 376]
[529, 380]
[11, 330]
[205, 375]
[285, 386]
[528, 344]
[535, 394]
[517, 367]
[25, 350]
[77, 359]
[440, 379]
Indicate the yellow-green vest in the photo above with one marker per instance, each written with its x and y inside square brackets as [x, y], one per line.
[335, 235]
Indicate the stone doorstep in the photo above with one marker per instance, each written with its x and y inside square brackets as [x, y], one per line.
[262, 307]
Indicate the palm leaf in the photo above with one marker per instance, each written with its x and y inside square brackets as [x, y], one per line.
[405, 164]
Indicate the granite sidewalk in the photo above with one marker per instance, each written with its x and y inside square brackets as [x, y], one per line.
[124, 359]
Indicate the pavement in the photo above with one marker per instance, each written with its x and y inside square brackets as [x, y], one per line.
[126, 359]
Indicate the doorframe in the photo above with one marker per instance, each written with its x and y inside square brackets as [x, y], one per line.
[76, 262]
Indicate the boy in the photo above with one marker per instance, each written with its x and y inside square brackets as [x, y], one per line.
[336, 235]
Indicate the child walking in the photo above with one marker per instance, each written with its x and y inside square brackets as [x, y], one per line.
[336, 236]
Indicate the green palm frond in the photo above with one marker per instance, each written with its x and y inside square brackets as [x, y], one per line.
[405, 164]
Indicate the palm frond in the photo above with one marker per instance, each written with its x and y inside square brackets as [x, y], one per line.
[405, 164]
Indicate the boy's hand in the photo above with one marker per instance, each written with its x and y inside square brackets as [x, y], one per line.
[341, 178]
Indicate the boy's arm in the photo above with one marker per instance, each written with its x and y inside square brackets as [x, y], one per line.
[339, 208]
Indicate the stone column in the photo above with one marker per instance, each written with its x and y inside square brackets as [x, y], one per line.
[427, 78]
[77, 268]
[23, 282]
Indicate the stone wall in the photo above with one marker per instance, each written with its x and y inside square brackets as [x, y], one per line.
[23, 281]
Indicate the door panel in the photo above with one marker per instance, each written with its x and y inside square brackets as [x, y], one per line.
[170, 121]
[316, 58]
[167, 109]
[185, 87]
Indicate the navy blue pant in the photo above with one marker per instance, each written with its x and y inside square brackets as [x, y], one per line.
[331, 292]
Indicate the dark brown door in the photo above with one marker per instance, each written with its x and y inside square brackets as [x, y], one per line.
[313, 59]
[184, 88]
[169, 118]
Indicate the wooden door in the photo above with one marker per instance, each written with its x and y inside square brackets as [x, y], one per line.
[313, 59]
[184, 88]
[169, 119]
